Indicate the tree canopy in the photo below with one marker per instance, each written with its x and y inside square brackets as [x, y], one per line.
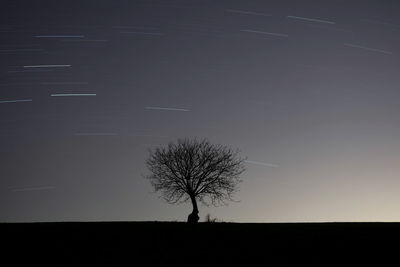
[195, 170]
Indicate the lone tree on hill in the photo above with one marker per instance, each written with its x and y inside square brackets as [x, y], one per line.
[195, 170]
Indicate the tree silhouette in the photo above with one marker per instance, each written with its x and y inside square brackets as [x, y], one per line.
[195, 170]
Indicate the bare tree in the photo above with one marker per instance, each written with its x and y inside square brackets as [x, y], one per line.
[195, 170]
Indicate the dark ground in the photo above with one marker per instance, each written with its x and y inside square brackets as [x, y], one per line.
[205, 244]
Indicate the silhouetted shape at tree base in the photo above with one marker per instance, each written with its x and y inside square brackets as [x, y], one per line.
[193, 218]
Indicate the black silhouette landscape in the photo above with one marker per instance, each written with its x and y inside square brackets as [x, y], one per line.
[202, 244]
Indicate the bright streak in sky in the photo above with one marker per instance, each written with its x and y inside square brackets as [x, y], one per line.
[311, 19]
[247, 12]
[266, 33]
[368, 48]
[96, 134]
[48, 66]
[85, 40]
[60, 36]
[150, 135]
[148, 33]
[21, 50]
[21, 71]
[38, 188]
[61, 95]
[262, 163]
[165, 108]
[64, 83]
[136, 27]
[15, 101]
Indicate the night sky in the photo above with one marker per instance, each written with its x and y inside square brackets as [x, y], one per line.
[307, 90]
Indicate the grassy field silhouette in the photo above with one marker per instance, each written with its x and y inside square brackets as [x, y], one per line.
[202, 244]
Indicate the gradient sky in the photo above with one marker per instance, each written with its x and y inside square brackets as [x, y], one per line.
[307, 90]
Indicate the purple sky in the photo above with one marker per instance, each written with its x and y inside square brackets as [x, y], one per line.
[307, 90]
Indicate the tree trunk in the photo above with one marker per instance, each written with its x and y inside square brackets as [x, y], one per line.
[194, 216]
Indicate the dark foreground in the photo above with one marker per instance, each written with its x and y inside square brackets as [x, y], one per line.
[205, 244]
